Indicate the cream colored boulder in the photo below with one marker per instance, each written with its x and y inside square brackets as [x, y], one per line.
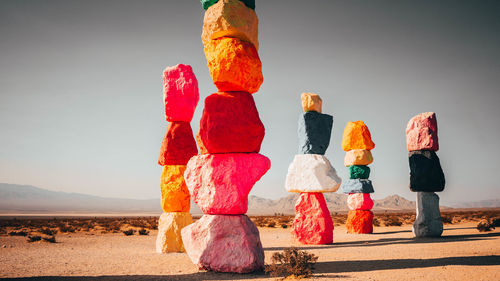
[312, 173]
[169, 237]
[358, 157]
[230, 18]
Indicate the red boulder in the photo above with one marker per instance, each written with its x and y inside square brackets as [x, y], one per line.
[313, 223]
[178, 146]
[359, 221]
[230, 124]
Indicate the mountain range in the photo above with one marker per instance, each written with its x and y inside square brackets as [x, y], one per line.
[26, 199]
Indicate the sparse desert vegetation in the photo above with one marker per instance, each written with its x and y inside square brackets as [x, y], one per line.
[291, 262]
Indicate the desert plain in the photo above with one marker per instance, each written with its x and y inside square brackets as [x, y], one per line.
[91, 252]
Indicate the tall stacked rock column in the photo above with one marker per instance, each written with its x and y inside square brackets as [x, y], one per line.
[230, 135]
[180, 94]
[311, 174]
[426, 174]
[357, 142]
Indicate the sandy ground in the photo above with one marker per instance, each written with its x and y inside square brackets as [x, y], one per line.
[391, 253]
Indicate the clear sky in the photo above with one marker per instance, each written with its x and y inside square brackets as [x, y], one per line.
[81, 94]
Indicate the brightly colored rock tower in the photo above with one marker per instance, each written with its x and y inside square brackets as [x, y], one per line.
[426, 174]
[180, 95]
[357, 142]
[224, 239]
[311, 174]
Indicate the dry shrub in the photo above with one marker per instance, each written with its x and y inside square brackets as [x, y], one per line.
[50, 239]
[447, 219]
[48, 231]
[291, 262]
[129, 232]
[143, 231]
[484, 226]
[34, 238]
[376, 222]
[393, 221]
[18, 233]
[495, 222]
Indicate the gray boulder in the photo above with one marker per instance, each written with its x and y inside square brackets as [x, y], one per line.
[428, 222]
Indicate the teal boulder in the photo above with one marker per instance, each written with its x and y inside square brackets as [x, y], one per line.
[359, 172]
[207, 3]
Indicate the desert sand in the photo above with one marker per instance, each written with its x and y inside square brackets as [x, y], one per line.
[391, 253]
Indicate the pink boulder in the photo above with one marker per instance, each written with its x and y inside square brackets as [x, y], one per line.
[180, 93]
[313, 223]
[220, 183]
[422, 132]
[224, 243]
[230, 123]
[359, 201]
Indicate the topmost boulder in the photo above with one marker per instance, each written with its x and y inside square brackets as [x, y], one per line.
[311, 102]
[180, 93]
[207, 3]
[357, 136]
[421, 132]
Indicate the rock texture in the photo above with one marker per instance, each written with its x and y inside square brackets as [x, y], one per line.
[359, 172]
[357, 136]
[313, 223]
[220, 183]
[357, 186]
[178, 145]
[360, 222]
[169, 231]
[311, 102]
[428, 222]
[230, 123]
[174, 192]
[358, 157]
[359, 201]
[312, 173]
[180, 93]
[314, 132]
[234, 65]
[421, 132]
[426, 173]
[230, 18]
[224, 243]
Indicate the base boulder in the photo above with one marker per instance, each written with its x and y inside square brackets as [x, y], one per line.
[428, 222]
[359, 221]
[169, 231]
[313, 223]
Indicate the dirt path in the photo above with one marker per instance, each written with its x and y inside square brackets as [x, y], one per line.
[391, 253]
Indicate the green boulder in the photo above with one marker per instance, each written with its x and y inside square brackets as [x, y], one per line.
[359, 172]
[207, 3]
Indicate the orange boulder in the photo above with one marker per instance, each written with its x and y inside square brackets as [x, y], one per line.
[230, 18]
[174, 192]
[234, 65]
[357, 136]
[359, 221]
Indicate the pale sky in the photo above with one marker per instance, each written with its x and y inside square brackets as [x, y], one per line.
[81, 95]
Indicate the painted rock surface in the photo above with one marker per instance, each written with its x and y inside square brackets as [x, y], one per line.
[428, 222]
[234, 65]
[359, 172]
[359, 201]
[426, 173]
[180, 93]
[360, 222]
[224, 243]
[422, 133]
[358, 157]
[314, 132]
[207, 3]
[230, 123]
[230, 18]
[178, 145]
[220, 183]
[169, 231]
[357, 186]
[312, 173]
[313, 223]
[311, 102]
[357, 136]
[174, 192]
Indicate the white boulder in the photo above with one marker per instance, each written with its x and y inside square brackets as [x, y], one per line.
[312, 173]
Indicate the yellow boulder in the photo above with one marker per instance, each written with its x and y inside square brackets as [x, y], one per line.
[357, 136]
[169, 237]
[230, 18]
[311, 102]
[360, 157]
[174, 192]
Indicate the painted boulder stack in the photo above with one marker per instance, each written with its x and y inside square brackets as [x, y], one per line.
[311, 174]
[180, 95]
[426, 174]
[219, 180]
[357, 142]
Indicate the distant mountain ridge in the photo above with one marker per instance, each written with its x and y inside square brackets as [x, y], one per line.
[26, 199]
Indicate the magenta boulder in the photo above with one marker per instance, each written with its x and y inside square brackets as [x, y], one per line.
[180, 93]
